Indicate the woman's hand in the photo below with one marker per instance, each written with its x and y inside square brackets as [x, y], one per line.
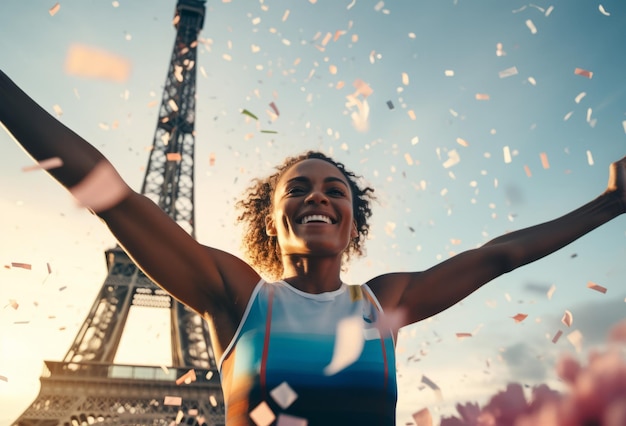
[617, 181]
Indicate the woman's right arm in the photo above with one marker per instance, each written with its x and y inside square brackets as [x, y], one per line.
[206, 279]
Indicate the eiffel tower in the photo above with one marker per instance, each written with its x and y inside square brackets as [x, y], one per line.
[87, 386]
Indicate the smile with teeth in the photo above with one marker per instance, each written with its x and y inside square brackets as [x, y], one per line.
[316, 218]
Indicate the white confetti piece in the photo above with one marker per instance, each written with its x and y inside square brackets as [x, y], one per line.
[48, 164]
[551, 291]
[348, 344]
[283, 395]
[453, 159]
[262, 415]
[568, 115]
[589, 158]
[179, 416]
[567, 318]
[549, 11]
[449, 73]
[405, 79]
[603, 10]
[531, 26]
[507, 154]
[624, 125]
[576, 339]
[532, 81]
[508, 72]
[213, 401]
[579, 97]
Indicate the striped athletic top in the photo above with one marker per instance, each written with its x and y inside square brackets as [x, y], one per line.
[284, 364]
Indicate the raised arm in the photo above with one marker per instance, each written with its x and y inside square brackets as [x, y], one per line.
[423, 294]
[205, 279]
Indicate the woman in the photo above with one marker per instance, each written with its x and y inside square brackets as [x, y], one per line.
[277, 342]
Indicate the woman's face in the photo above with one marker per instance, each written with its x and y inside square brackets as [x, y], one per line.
[312, 210]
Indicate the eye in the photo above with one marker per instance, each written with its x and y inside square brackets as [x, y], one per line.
[294, 190]
[337, 192]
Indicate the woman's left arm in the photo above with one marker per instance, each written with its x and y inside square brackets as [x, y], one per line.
[422, 294]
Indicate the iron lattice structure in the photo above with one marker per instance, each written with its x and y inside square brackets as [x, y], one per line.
[87, 387]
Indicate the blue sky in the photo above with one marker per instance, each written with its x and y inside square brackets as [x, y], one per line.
[257, 52]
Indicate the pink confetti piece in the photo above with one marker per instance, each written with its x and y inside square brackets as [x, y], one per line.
[274, 108]
[287, 420]
[101, 189]
[13, 303]
[544, 160]
[411, 114]
[567, 318]
[90, 62]
[463, 335]
[188, 377]
[27, 266]
[173, 400]
[576, 339]
[362, 88]
[54, 9]
[596, 287]
[262, 415]
[519, 317]
[48, 164]
[49, 268]
[423, 417]
[557, 336]
[482, 97]
[527, 171]
[284, 395]
[174, 156]
[583, 73]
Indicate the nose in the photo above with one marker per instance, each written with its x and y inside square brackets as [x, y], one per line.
[316, 197]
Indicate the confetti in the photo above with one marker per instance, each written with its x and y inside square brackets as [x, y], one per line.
[274, 108]
[453, 159]
[89, 62]
[188, 377]
[21, 265]
[482, 97]
[173, 400]
[589, 158]
[213, 401]
[576, 339]
[425, 380]
[287, 420]
[449, 73]
[531, 26]
[411, 114]
[362, 88]
[583, 73]
[557, 336]
[579, 97]
[50, 163]
[173, 156]
[551, 291]
[101, 189]
[544, 160]
[463, 335]
[567, 318]
[283, 395]
[262, 415]
[405, 79]
[249, 114]
[348, 344]
[507, 154]
[508, 72]
[603, 10]
[54, 9]
[520, 317]
[423, 417]
[596, 287]
[462, 142]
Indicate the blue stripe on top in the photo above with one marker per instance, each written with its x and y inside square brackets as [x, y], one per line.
[303, 330]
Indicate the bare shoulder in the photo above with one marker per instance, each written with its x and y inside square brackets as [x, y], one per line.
[388, 288]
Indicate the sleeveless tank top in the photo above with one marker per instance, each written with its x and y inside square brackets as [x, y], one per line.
[281, 366]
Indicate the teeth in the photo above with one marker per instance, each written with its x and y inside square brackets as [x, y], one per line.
[316, 218]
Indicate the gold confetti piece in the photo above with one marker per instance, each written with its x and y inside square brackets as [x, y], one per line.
[48, 164]
[482, 97]
[173, 156]
[348, 344]
[408, 159]
[54, 9]
[520, 317]
[531, 26]
[463, 335]
[576, 339]
[262, 415]
[179, 417]
[209, 375]
[557, 336]
[567, 318]
[249, 114]
[188, 377]
[173, 400]
[27, 266]
[285, 15]
[507, 154]
[551, 291]
[508, 72]
[544, 160]
[284, 395]
[89, 62]
[423, 417]
[462, 142]
[583, 73]
[405, 79]
[411, 114]
[213, 401]
[596, 287]
[453, 159]
[449, 73]
[603, 10]
[57, 110]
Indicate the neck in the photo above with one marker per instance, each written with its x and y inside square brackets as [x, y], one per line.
[312, 275]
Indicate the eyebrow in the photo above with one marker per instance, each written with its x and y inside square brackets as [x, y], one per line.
[326, 180]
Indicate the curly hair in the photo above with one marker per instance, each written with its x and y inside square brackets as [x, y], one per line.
[261, 250]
